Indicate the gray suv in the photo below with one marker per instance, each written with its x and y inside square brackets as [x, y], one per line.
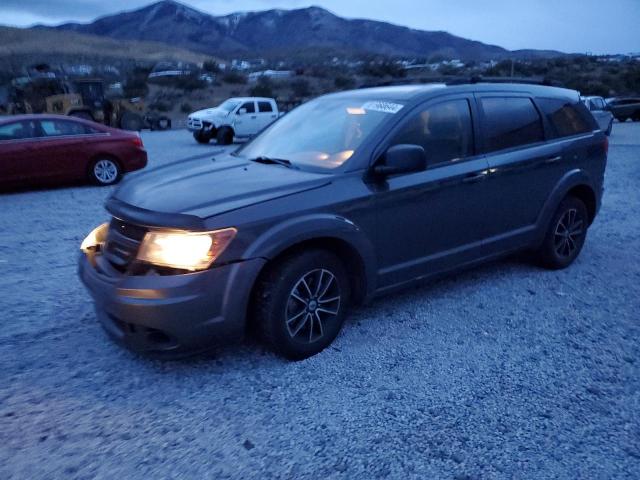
[349, 196]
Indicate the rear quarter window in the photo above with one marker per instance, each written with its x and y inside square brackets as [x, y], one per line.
[565, 117]
[510, 122]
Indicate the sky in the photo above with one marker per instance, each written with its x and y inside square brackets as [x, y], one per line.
[580, 26]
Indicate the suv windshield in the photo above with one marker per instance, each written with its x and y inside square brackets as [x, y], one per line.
[323, 133]
[229, 105]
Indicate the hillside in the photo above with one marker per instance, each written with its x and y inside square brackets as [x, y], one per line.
[283, 32]
[21, 47]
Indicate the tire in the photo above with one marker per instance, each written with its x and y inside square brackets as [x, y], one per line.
[131, 121]
[561, 247]
[622, 119]
[225, 136]
[82, 115]
[201, 137]
[608, 132]
[163, 123]
[105, 171]
[298, 321]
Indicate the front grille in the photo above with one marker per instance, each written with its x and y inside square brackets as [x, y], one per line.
[194, 123]
[123, 242]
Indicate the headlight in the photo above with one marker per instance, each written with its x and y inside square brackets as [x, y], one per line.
[185, 250]
[95, 239]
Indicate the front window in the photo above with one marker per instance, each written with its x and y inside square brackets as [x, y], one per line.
[444, 131]
[229, 105]
[323, 133]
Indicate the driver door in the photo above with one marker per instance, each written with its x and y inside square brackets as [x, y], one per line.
[432, 220]
[247, 122]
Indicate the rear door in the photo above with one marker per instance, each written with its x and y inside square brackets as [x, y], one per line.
[266, 113]
[524, 167]
[16, 152]
[64, 148]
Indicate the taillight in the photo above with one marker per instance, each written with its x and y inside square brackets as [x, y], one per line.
[137, 141]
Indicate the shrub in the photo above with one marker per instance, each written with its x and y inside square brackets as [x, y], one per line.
[263, 88]
[234, 77]
[186, 108]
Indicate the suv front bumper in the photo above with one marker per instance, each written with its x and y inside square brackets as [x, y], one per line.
[173, 315]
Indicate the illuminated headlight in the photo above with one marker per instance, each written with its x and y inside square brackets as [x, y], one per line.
[185, 250]
[95, 239]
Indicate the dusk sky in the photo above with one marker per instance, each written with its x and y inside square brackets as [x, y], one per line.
[595, 26]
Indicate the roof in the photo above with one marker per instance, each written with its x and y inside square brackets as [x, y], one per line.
[418, 92]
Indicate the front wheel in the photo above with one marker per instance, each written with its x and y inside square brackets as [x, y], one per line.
[566, 234]
[225, 136]
[105, 171]
[201, 137]
[300, 303]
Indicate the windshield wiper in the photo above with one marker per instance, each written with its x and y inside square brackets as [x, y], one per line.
[273, 161]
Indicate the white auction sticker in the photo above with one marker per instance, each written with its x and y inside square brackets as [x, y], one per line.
[384, 107]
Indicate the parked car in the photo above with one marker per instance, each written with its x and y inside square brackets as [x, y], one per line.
[624, 108]
[346, 197]
[240, 117]
[54, 149]
[600, 111]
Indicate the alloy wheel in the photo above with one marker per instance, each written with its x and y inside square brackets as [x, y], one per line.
[567, 234]
[313, 301]
[106, 171]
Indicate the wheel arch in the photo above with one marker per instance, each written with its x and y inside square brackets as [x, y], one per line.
[331, 233]
[577, 183]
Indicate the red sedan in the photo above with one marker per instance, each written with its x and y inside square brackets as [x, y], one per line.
[50, 149]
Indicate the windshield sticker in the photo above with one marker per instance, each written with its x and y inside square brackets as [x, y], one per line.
[384, 107]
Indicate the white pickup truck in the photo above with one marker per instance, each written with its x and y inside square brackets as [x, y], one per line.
[235, 117]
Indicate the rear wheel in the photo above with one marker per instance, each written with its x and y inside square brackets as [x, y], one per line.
[622, 119]
[163, 123]
[225, 136]
[566, 234]
[105, 171]
[301, 302]
[131, 121]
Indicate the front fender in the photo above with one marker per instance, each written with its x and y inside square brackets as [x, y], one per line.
[294, 231]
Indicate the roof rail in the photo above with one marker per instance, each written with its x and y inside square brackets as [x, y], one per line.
[464, 80]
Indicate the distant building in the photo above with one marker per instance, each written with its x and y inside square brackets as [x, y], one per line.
[168, 69]
[272, 74]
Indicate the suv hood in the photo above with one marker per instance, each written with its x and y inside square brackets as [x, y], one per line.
[202, 188]
[209, 113]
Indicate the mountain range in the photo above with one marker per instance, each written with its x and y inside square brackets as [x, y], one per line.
[282, 33]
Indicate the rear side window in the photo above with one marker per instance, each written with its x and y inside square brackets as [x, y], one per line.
[510, 122]
[566, 118]
[57, 128]
[444, 131]
[265, 107]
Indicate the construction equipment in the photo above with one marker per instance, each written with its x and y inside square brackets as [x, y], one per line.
[83, 98]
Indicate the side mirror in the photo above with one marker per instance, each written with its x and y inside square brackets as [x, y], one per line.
[402, 159]
[242, 111]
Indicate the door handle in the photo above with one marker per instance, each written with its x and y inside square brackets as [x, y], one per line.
[553, 159]
[475, 177]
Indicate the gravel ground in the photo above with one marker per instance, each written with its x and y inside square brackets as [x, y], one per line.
[506, 371]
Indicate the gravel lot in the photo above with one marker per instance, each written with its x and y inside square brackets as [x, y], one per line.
[506, 371]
